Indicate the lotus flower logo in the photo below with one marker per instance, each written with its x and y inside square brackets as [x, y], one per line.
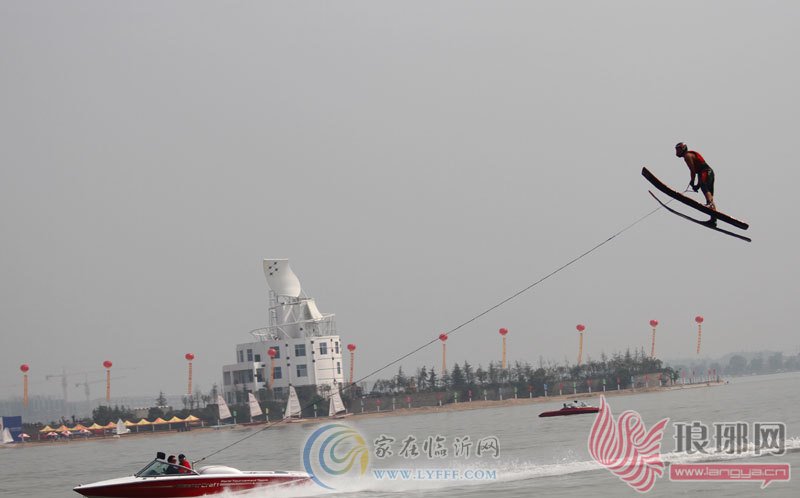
[333, 451]
[626, 449]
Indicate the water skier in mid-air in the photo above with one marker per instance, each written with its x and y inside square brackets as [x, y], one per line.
[702, 173]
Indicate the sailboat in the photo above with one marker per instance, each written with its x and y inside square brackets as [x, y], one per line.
[255, 409]
[294, 412]
[337, 408]
[121, 429]
[5, 436]
[224, 412]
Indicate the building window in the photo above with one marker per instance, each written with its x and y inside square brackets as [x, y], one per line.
[336, 347]
[249, 355]
[278, 374]
[299, 349]
[241, 356]
[323, 348]
[277, 351]
[339, 367]
[258, 358]
[302, 371]
[260, 375]
[278, 392]
[226, 378]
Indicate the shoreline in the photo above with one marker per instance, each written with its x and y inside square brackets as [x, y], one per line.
[480, 404]
[398, 412]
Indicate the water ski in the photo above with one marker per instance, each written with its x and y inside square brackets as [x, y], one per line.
[691, 202]
[704, 223]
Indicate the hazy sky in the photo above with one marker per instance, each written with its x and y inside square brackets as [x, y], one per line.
[417, 162]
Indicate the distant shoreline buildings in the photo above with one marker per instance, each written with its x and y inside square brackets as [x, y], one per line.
[306, 346]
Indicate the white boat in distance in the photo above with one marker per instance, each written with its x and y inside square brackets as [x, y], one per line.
[121, 429]
[224, 413]
[294, 412]
[255, 408]
[337, 408]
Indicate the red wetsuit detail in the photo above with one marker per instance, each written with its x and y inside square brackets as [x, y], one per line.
[700, 168]
[702, 161]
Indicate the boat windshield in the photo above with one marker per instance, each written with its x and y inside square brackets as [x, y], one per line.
[161, 468]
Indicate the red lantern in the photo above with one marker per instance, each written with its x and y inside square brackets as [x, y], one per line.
[408, 399]
[698, 319]
[107, 364]
[189, 356]
[443, 337]
[503, 331]
[24, 368]
[654, 323]
[581, 327]
[272, 353]
[351, 347]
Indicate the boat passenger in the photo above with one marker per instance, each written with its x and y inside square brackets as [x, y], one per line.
[172, 468]
[185, 465]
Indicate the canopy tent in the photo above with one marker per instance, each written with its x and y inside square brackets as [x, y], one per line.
[47, 428]
[78, 428]
[95, 427]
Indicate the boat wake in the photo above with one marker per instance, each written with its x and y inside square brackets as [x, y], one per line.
[506, 472]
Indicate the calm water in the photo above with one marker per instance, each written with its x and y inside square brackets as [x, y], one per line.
[546, 457]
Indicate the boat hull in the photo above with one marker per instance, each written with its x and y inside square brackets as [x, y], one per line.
[186, 486]
[570, 411]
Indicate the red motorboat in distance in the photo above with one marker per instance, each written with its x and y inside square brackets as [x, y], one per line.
[574, 408]
[160, 479]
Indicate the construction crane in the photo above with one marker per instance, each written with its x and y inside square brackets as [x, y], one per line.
[86, 383]
[64, 376]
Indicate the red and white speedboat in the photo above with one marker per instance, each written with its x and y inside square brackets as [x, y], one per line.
[576, 409]
[160, 479]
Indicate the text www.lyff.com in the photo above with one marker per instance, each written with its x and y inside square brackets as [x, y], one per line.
[435, 474]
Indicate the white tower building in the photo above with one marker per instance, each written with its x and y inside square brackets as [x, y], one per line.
[309, 351]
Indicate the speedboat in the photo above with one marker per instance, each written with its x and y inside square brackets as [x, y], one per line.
[571, 410]
[161, 479]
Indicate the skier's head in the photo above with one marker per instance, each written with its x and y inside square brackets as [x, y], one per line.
[680, 149]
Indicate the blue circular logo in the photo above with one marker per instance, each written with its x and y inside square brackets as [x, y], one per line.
[334, 451]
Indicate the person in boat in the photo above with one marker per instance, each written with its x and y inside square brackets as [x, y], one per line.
[185, 465]
[702, 176]
[172, 468]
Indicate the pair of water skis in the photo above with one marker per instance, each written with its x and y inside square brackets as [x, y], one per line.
[715, 215]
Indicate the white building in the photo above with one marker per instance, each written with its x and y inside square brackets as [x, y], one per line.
[309, 351]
